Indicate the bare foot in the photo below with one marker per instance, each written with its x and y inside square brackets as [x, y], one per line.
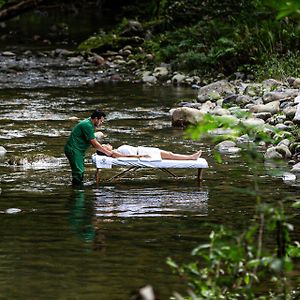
[196, 155]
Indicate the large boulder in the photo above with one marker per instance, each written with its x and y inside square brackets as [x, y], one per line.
[216, 90]
[184, 116]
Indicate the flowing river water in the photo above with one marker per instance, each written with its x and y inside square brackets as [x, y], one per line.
[105, 243]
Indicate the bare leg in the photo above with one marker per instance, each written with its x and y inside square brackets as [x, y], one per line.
[175, 156]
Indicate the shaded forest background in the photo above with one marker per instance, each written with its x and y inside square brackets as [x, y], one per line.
[258, 39]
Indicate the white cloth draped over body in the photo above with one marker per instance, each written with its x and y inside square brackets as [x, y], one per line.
[153, 161]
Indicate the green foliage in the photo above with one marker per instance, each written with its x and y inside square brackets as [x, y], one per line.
[255, 263]
[2, 3]
[275, 66]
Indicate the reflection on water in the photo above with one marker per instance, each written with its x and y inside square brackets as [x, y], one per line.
[149, 202]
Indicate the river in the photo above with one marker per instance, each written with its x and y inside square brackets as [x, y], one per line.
[106, 242]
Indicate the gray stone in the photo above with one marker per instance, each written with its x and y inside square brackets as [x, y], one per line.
[178, 79]
[183, 116]
[253, 122]
[290, 112]
[296, 168]
[254, 89]
[216, 90]
[2, 150]
[296, 118]
[160, 72]
[271, 153]
[284, 151]
[225, 145]
[288, 94]
[271, 107]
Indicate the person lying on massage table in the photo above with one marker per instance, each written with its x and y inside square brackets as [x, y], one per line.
[139, 152]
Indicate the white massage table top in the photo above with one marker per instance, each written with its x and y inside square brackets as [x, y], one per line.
[105, 162]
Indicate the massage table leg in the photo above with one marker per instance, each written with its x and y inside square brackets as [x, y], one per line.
[200, 175]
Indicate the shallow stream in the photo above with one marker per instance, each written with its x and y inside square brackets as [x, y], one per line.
[104, 243]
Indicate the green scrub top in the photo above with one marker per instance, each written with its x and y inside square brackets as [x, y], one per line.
[81, 136]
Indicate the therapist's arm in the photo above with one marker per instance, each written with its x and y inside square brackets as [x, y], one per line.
[99, 147]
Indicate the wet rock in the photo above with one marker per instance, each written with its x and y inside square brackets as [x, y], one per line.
[2, 150]
[287, 176]
[178, 79]
[216, 90]
[8, 53]
[75, 60]
[183, 116]
[227, 147]
[161, 72]
[148, 78]
[296, 168]
[74, 119]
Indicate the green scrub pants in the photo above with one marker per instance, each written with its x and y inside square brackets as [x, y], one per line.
[76, 160]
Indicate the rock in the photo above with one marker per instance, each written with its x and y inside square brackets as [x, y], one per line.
[219, 111]
[296, 118]
[178, 79]
[271, 153]
[183, 116]
[2, 150]
[207, 106]
[216, 90]
[284, 151]
[227, 147]
[296, 168]
[147, 78]
[99, 136]
[290, 112]
[296, 83]
[253, 122]
[160, 72]
[263, 115]
[271, 107]
[8, 53]
[75, 60]
[271, 83]
[288, 94]
[287, 176]
[73, 118]
[254, 89]
[242, 100]
[133, 28]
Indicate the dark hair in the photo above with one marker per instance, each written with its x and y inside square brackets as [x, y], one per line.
[98, 114]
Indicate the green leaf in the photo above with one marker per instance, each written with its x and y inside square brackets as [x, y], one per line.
[296, 204]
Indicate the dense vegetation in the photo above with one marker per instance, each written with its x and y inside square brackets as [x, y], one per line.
[209, 37]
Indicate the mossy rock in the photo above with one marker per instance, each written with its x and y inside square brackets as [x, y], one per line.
[102, 43]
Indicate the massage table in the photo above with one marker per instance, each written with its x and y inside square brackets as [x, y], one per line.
[133, 164]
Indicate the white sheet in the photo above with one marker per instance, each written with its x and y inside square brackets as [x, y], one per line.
[104, 162]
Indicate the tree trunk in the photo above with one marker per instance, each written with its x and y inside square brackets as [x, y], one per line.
[18, 8]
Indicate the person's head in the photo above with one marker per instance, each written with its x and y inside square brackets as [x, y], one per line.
[97, 117]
